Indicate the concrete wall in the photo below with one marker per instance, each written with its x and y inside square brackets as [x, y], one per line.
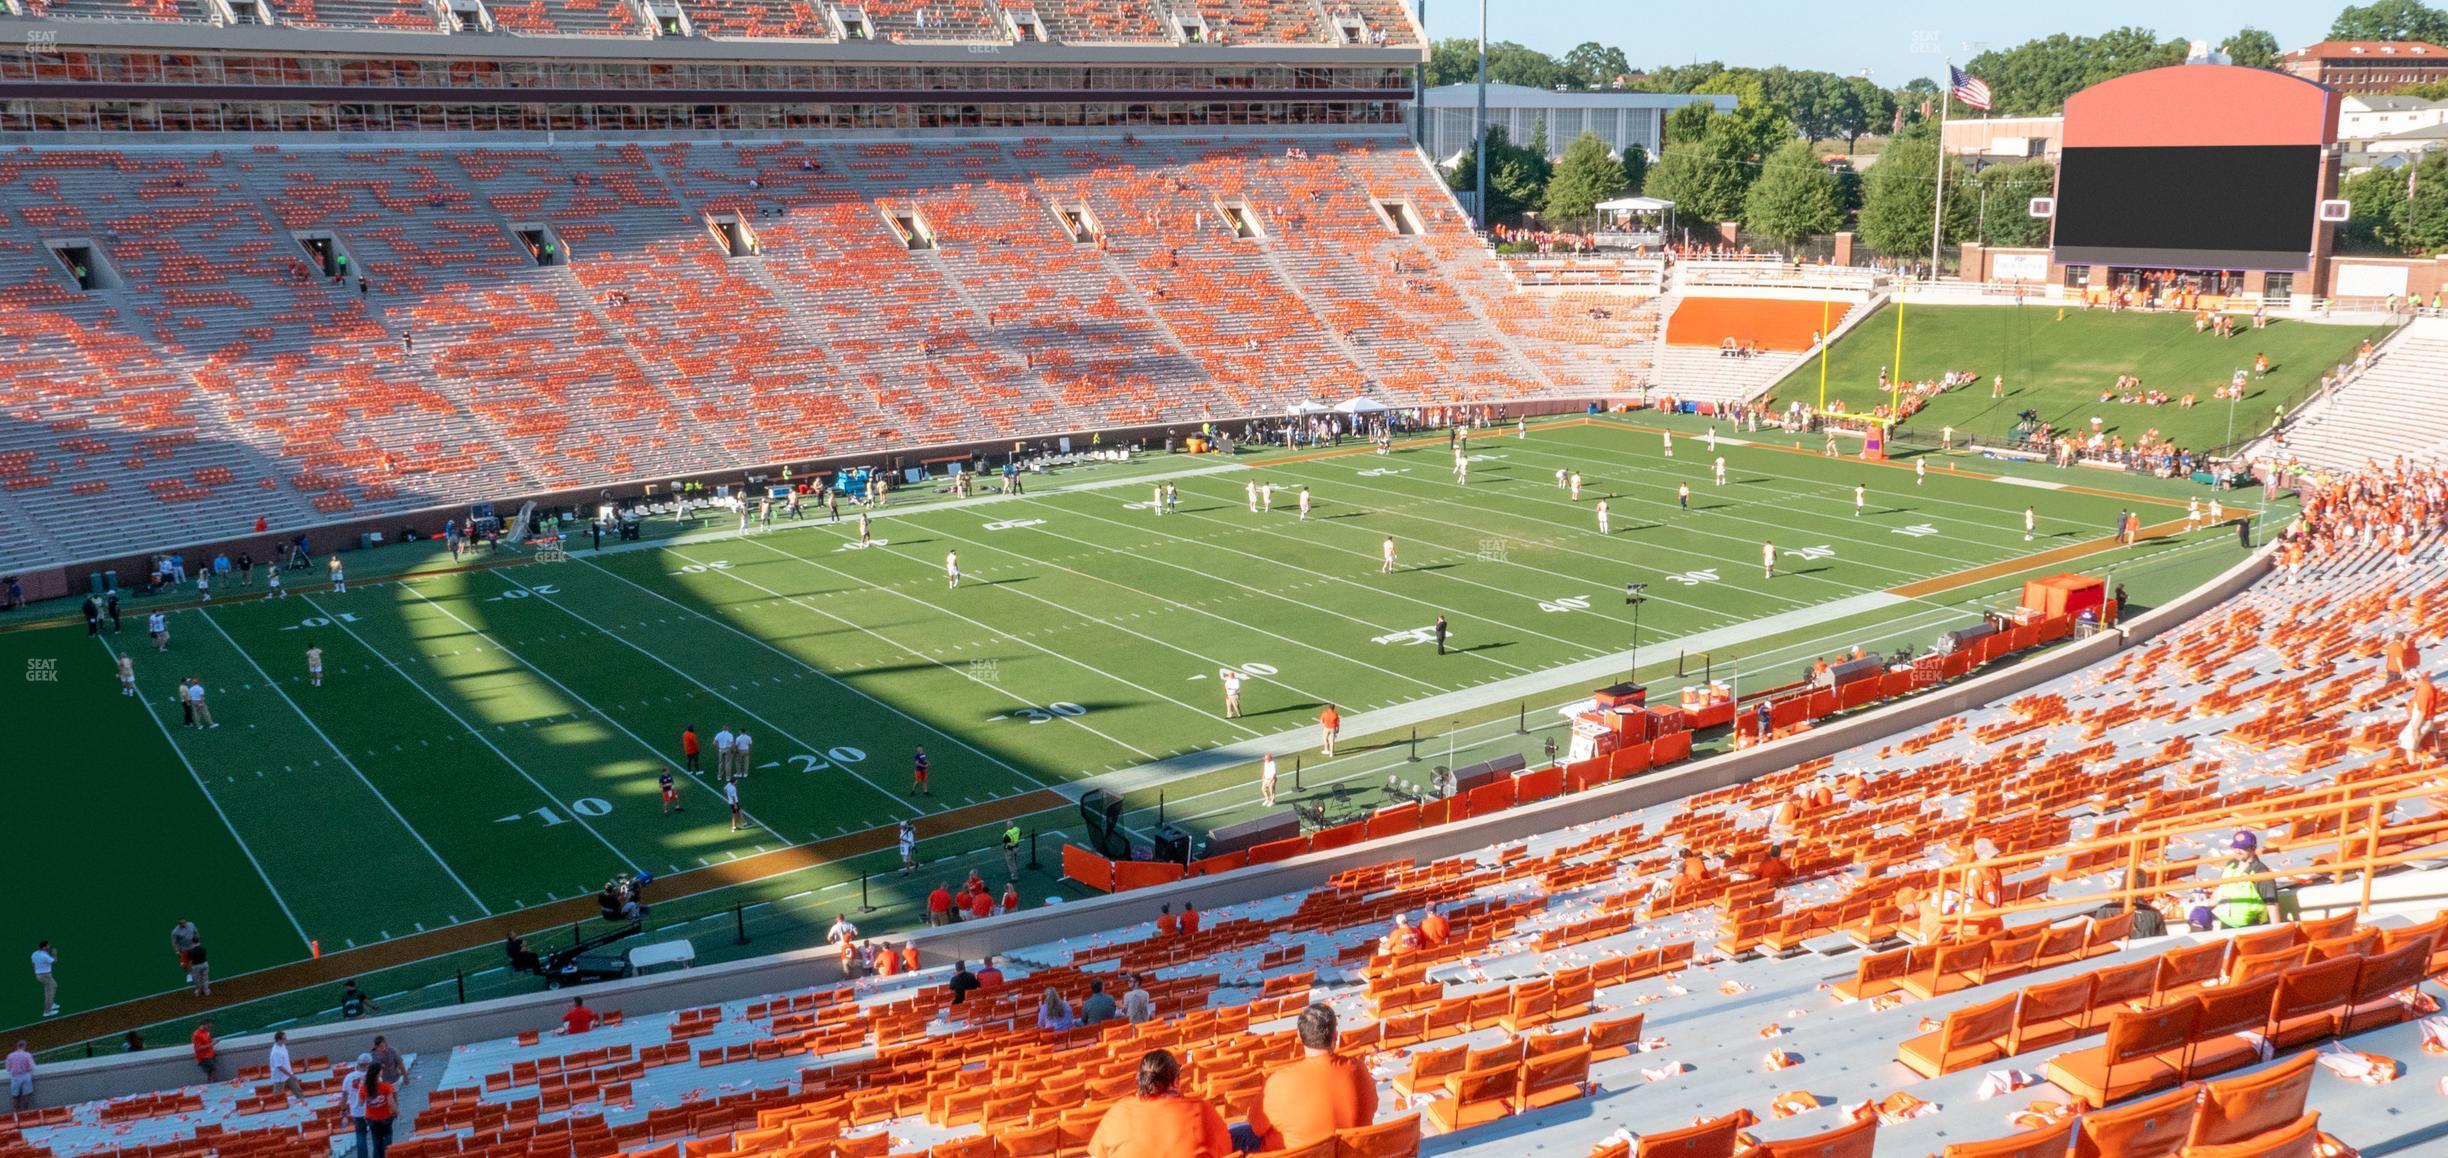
[433, 1033]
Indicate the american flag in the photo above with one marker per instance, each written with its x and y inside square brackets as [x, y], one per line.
[1969, 89]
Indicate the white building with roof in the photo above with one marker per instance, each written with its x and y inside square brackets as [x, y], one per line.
[1621, 119]
[2367, 118]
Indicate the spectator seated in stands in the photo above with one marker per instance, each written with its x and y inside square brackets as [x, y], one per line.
[1054, 1013]
[1160, 1122]
[1304, 1103]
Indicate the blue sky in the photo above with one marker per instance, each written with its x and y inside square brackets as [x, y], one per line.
[1895, 39]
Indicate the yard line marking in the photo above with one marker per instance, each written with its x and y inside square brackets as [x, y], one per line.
[1181, 605]
[481, 738]
[243, 847]
[1647, 544]
[1006, 693]
[1199, 607]
[983, 626]
[837, 681]
[1808, 488]
[1846, 589]
[777, 729]
[1319, 577]
[653, 754]
[1531, 598]
[209, 621]
[2019, 481]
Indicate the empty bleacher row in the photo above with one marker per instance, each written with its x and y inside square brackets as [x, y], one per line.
[1692, 363]
[546, 318]
[2394, 403]
[1260, 22]
[1807, 959]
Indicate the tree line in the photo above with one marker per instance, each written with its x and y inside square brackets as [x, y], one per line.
[1763, 164]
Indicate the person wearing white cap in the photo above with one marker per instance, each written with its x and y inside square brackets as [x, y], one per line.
[352, 1091]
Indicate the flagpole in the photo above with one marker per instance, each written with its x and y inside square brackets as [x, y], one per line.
[1938, 201]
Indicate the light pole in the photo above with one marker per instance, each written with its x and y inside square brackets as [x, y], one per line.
[1636, 594]
[1481, 125]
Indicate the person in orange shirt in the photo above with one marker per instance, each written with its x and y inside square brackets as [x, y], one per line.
[1166, 926]
[207, 1058]
[1160, 1122]
[1980, 888]
[1304, 1103]
[1772, 867]
[2417, 733]
[1330, 722]
[909, 958]
[1189, 919]
[1434, 929]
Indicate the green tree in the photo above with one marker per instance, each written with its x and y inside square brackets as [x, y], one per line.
[2035, 77]
[1795, 196]
[2252, 48]
[1635, 169]
[1687, 122]
[1587, 174]
[2005, 203]
[2425, 216]
[2391, 20]
[1706, 175]
[1676, 78]
[1517, 175]
[1455, 60]
[2378, 219]
[1897, 191]
[1868, 109]
[1595, 65]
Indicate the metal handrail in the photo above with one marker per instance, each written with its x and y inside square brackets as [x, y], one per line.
[2347, 802]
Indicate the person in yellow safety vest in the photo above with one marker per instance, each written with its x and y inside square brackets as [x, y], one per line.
[2239, 904]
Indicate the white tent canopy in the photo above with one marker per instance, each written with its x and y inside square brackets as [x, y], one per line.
[1361, 406]
[1306, 407]
[1636, 205]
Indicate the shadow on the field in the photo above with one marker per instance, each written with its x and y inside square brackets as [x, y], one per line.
[1430, 567]
[1478, 647]
[1345, 515]
[966, 582]
[1302, 709]
[1806, 571]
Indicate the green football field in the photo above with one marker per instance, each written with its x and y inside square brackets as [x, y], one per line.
[487, 741]
[2056, 361]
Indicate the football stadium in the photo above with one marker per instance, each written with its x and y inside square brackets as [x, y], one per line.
[973, 579]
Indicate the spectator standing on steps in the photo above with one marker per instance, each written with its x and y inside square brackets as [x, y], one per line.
[207, 1054]
[352, 1094]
